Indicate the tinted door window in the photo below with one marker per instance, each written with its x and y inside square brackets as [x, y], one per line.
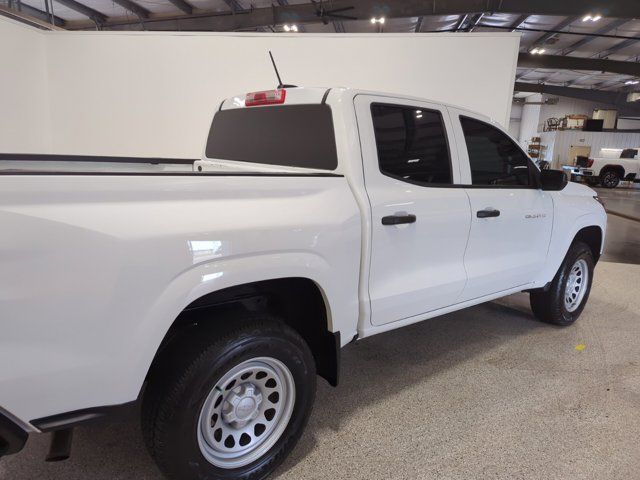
[412, 144]
[493, 157]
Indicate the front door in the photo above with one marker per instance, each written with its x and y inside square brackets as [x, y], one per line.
[419, 219]
[511, 217]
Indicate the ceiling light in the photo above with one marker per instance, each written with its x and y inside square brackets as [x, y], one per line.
[290, 28]
[538, 51]
[632, 82]
[377, 20]
[591, 18]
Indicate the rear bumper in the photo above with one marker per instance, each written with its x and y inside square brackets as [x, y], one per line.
[12, 435]
[578, 171]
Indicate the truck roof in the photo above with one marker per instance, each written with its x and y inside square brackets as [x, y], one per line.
[307, 95]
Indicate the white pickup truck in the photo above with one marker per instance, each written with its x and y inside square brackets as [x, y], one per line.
[607, 171]
[214, 297]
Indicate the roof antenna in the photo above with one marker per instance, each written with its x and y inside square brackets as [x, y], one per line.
[280, 84]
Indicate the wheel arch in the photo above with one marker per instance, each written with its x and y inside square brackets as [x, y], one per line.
[589, 228]
[593, 237]
[299, 301]
[611, 166]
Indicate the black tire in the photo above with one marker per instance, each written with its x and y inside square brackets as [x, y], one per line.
[610, 178]
[549, 306]
[592, 181]
[187, 372]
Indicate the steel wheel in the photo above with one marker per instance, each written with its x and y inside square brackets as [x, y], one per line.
[246, 412]
[576, 286]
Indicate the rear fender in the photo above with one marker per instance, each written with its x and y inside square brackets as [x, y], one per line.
[204, 279]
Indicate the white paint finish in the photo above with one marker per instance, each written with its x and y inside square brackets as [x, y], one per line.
[415, 268]
[23, 89]
[88, 292]
[152, 94]
[574, 209]
[94, 269]
[509, 250]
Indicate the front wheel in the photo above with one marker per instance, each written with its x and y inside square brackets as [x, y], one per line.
[229, 404]
[565, 299]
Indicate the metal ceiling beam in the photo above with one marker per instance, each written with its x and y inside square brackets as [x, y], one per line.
[580, 43]
[365, 9]
[284, 3]
[419, 24]
[560, 26]
[133, 7]
[518, 22]
[234, 6]
[473, 23]
[601, 31]
[543, 38]
[620, 46]
[617, 99]
[530, 60]
[182, 5]
[31, 15]
[609, 83]
[94, 15]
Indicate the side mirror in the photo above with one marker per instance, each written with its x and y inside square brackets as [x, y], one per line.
[553, 180]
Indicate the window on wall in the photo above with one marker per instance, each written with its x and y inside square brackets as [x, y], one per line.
[412, 144]
[493, 157]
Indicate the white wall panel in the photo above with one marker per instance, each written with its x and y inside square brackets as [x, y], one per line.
[153, 93]
[629, 123]
[23, 89]
[124, 93]
[530, 118]
[568, 106]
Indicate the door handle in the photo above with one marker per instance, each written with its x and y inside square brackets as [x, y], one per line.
[487, 213]
[398, 219]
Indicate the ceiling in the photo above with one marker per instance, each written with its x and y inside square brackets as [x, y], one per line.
[600, 55]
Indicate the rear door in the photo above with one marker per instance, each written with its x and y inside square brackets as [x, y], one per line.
[420, 219]
[511, 217]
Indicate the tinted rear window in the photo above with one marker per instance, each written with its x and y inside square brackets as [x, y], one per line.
[287, 135]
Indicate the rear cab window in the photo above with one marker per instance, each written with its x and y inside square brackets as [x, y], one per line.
[299, 136]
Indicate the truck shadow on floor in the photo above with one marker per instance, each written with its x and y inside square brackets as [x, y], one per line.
[381, 367]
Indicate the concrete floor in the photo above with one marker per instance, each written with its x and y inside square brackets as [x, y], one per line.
[484, 393]
[624, 199]
[623, 226]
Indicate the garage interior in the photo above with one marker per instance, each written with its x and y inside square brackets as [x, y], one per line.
[486, 392]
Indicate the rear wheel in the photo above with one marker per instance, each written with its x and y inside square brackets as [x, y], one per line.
[610, 178]
[565, 299]
[231, 403]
